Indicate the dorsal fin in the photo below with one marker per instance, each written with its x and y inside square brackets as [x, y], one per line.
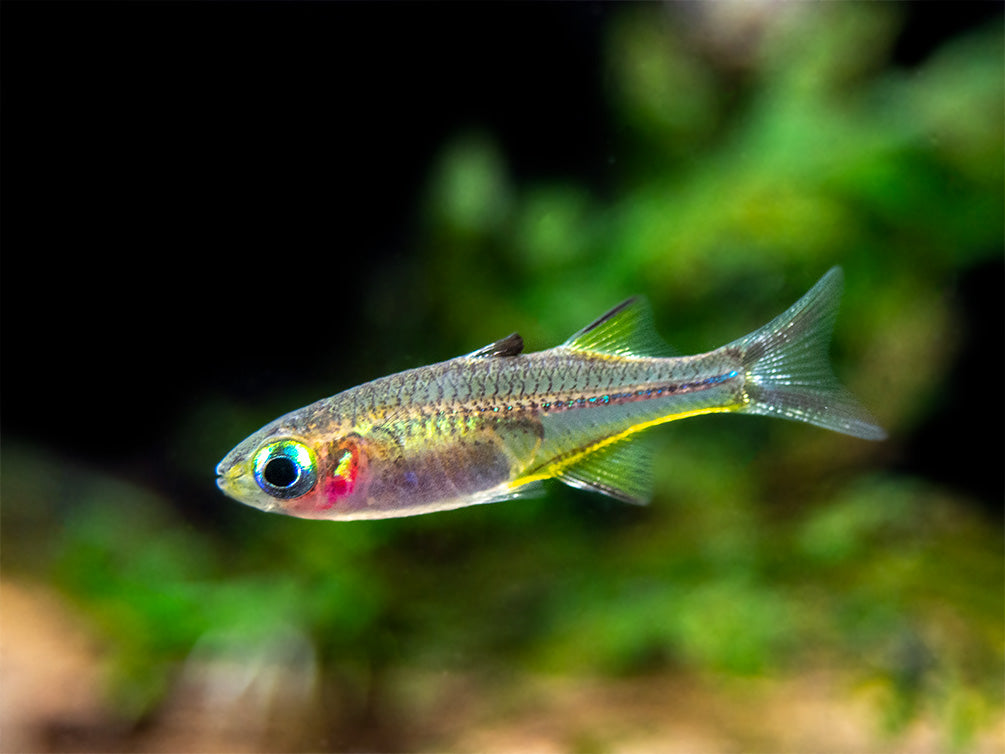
[511, 345]
[626, 330]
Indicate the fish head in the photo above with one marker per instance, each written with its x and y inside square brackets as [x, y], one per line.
[284, 469]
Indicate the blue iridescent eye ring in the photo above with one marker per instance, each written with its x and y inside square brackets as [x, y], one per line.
[285, 469]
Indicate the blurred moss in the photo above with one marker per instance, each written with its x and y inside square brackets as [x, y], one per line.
[660, 89]
[469, 192]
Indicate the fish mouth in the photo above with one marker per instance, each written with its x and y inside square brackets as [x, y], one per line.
[233, 483]
[225, 475]
[221, 475]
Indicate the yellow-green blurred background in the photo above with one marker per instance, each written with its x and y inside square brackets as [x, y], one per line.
[215, 214]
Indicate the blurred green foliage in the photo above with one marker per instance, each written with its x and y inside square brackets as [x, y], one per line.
[737, 181]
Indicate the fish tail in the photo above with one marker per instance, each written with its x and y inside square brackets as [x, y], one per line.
[788, 372]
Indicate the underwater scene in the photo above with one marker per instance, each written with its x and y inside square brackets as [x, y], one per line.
[701, 522]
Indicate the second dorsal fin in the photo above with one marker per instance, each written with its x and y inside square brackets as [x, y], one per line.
[626, 330]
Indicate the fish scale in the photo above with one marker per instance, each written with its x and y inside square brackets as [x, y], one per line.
[493, 424]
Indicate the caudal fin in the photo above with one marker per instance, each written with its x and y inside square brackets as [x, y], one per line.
[788, 370]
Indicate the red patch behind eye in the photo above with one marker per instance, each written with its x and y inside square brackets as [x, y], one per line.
[342, 474]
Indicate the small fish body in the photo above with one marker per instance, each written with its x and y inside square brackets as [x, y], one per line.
[491, 425]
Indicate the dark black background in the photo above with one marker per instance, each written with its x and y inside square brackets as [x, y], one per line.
[172, 170]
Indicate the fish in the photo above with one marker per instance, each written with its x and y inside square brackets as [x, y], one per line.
[494, 424]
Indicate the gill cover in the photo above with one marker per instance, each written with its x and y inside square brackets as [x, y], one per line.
[345, 464]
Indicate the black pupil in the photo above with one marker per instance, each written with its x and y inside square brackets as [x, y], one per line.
[281, 471]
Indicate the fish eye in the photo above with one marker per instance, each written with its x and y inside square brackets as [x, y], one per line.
[285, 469]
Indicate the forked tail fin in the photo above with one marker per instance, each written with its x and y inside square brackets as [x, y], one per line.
[788, 369]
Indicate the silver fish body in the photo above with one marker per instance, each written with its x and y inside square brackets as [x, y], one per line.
[490, 425]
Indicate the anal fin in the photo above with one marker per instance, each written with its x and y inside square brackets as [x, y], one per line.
[622, 470]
